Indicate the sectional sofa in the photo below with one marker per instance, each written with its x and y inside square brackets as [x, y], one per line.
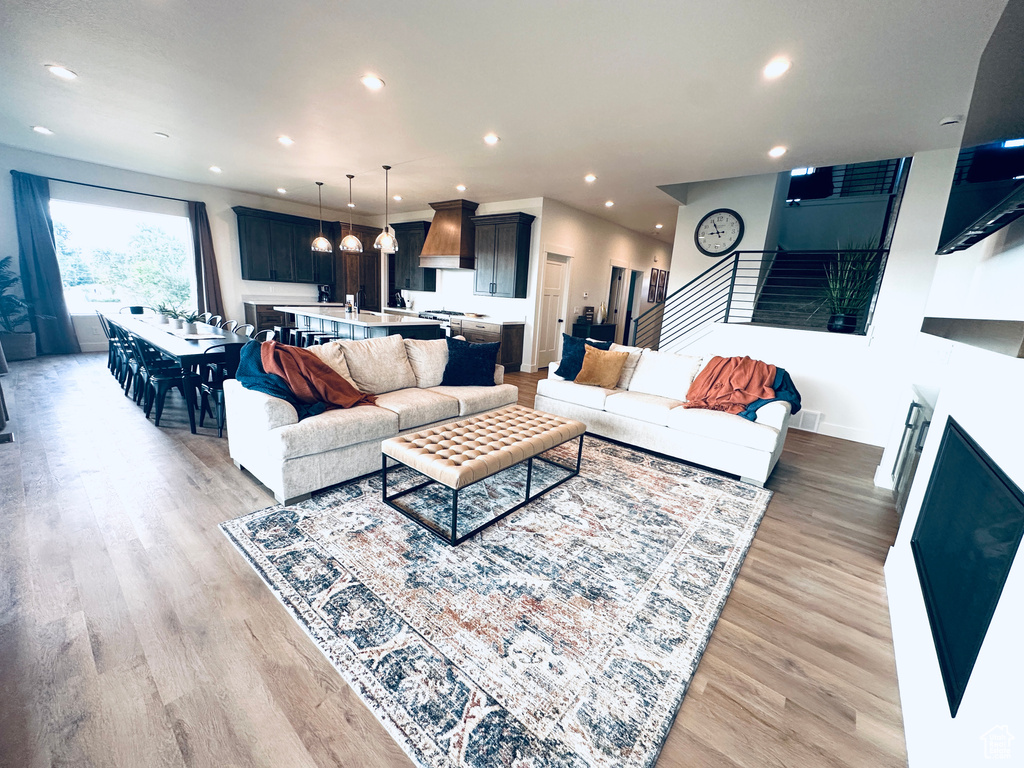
[645, 409]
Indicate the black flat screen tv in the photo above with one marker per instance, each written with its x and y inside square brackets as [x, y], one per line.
[965, 540]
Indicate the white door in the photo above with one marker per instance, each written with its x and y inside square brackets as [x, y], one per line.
[552, 309]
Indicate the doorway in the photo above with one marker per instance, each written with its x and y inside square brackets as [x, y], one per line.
[636, 280]
[616, 300]
[553, 295]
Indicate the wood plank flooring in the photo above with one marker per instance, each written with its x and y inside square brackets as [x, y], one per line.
[132, 634]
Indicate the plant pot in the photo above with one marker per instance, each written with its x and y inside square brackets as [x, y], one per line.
[176, 322]
[842, 323]
[189, 327]
[18, 346]
[161, 319]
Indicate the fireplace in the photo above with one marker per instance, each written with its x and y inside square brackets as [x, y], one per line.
[965, 540]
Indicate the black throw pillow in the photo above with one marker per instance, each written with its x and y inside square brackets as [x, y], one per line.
[573, 349]
[470, 365]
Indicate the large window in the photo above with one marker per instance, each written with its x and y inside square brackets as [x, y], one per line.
[110, 257]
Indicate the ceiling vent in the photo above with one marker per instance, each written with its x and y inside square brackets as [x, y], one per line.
[451, 240]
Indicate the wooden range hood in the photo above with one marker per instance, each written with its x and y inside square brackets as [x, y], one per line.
[451, 240]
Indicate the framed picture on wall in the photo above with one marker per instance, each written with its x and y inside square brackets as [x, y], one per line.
[652, 290]
[662, 284]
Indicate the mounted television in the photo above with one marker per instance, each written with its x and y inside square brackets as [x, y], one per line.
[967, 535]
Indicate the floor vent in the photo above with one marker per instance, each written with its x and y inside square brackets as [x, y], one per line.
[808, 421]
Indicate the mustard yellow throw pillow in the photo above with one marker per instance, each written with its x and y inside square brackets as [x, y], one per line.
[601, 368]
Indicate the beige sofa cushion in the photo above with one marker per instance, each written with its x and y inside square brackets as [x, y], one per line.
[379, 365]
[723, 426]
[476, 399]
[571, 392]
[631, 362]
[642, 406]
[416, 407]
[428, 360]
[664, 374]
[333, 356]
[336, 428]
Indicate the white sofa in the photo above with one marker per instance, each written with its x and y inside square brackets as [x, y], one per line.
[294, 458]
[645, 409]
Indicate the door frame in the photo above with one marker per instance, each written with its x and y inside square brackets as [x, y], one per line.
[563, 310]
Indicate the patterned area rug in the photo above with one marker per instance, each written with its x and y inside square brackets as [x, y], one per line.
[564, 636]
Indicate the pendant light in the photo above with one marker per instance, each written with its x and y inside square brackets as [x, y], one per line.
[386, 242]
[321, 244]
[350, 242]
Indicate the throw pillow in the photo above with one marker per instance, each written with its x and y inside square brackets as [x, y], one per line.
[630, 367]
[664, 374]
[573, 348]
[379, 365]
[470, 365]
[428, 360]
[333, 355]
[601, 368]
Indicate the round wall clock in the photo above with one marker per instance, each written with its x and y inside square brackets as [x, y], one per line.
[718, 232]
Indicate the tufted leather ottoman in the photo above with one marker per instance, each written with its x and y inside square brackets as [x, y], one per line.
[465, 452]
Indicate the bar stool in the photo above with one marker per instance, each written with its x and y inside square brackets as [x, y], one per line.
[285, 333]
[323, 338]
[305, 337]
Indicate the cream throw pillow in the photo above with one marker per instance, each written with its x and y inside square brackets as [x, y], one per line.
[333, 356]
[664, 374]
[630, 367]
[428, 360]
[601, 368]
[379, 365]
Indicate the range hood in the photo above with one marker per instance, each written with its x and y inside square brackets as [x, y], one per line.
[451, 240]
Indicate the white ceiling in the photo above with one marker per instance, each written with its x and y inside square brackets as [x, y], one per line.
[642, 94]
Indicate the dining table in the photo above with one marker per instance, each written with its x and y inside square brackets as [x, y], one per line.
[173, 344]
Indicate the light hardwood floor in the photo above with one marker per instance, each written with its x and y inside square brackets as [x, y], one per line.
[132, 634]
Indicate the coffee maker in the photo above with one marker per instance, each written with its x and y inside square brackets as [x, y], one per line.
[323, 293]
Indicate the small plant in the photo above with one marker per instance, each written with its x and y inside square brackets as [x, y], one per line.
[189, 317]
[850, 279]
[13, 311]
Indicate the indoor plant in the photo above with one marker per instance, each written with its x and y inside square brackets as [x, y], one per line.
[189, 321]
[850, 283]
[18, 345]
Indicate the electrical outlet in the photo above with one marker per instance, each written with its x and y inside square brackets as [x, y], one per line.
[585, 294]
[575, 310]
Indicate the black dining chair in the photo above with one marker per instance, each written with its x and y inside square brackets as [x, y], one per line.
[211, 383]
[111, 341]
[267, 335]
[160, 378]
[215, 321]
[136, 310]
[205, 317]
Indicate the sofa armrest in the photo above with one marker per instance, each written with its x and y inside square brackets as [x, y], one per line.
[499, 374]
[256, 409]
[774, 414]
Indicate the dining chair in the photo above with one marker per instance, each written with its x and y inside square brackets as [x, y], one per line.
[228, 325]
[159, 379]
[205, 317]
[245, 330]
[146, 361]
[211, 385]
[215, 321]
[136, 310]
[111, 341]
[267, 335]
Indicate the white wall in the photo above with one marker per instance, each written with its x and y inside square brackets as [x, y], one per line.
[219, 202]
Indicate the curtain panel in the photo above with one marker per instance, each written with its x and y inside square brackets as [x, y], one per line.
[207, 279]
[40, 273]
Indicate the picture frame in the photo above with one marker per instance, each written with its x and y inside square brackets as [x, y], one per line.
[652, 290]
[662, 285]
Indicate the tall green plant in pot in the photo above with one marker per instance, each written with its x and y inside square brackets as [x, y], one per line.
[17, 345]
[850, 284]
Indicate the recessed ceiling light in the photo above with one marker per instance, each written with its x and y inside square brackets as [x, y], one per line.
[609, 203]
[777, 67]
[285, 140]
[397, 198]
[282, 191]
[215, 168]
[161, 134]
[372, 82]
[658, 226]
[491, 139]
[42, 129]
[777, 151]
[590, 177]
[62, 72]
[461, 187]
[951, 120]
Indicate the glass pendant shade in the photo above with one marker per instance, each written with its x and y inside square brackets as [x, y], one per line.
[386, 241]
[320, 243]
[350, 242]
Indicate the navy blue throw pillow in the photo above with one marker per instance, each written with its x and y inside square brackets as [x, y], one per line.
[470, 365]
[573, 349]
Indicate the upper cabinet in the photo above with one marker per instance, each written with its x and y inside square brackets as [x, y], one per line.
[359, 273]
[502, 254]
[408, 273]
[275, 247]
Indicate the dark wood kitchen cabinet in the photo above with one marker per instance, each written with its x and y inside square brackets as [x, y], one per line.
[502, 254]
[359, 271]
[408, 275]
[274, 247]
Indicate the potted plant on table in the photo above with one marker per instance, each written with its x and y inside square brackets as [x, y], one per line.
[189, 321]
[17, 345]
[850, 283]
[163, 313]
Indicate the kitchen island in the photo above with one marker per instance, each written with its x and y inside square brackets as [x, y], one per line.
[362, 325]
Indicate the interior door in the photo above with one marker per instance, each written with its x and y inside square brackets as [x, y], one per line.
[552, 303]
[615, 293]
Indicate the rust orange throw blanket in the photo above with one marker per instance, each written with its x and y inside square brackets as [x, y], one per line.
[730, 384]
[309, 378]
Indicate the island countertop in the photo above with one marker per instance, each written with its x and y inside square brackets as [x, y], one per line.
[364, 319]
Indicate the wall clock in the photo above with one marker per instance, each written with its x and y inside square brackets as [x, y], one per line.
[719, 232]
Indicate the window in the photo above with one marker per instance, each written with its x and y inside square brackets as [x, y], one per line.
[110, 257]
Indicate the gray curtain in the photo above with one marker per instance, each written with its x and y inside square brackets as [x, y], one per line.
[207, 280]
[40, 274]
